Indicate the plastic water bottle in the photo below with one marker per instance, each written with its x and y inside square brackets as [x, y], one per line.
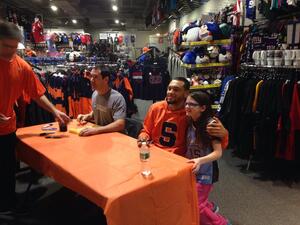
[145, 157]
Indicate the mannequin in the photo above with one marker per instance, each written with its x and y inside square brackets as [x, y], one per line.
[37, 31]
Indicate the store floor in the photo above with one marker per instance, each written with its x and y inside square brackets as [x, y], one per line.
[246, 198]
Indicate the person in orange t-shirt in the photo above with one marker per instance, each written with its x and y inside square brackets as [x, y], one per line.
[16, 78]
[166, 123]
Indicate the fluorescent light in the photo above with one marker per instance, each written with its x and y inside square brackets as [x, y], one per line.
[115, 8]
[157, 34]
[74, 21]
[54, 8]
[117, 21]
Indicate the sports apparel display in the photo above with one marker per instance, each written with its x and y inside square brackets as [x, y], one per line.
[149, 77]
[70, 92]
[38, 31]
[263, 109]
[251, 9]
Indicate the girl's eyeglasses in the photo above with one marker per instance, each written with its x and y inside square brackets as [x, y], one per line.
[191, 104]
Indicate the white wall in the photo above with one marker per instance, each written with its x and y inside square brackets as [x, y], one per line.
[142, 37]
[212, 6]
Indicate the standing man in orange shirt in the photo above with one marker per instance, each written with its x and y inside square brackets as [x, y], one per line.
[16, 78]
[166, 123]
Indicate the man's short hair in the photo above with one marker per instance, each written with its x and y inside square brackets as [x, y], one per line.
[185, 81]
[104, 71]
[9, 31]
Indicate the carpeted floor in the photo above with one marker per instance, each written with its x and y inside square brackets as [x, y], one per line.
[268, 196]
[271, 197]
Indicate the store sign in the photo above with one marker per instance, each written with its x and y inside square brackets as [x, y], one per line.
[103, 36]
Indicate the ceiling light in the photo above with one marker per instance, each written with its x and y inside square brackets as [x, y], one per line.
[117, 21]
[157, 34]
[115, 8]
[54, 8]
[74, 21]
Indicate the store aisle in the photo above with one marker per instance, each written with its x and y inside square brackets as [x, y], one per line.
[246, 198]
[252, 198]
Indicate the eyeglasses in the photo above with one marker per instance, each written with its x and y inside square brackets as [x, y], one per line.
[191, 104]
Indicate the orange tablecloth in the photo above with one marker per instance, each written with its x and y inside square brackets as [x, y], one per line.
[105, 169]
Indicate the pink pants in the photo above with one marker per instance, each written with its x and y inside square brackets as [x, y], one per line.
[207, 216]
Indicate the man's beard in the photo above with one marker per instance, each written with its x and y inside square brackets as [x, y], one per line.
[171, 102]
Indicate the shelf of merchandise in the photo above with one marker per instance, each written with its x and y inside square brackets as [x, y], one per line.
[208, 86]
[206, 65]
[267, 67]
[215, 106]
[201, 43]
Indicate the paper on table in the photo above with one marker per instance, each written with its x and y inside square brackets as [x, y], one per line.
[77, 130]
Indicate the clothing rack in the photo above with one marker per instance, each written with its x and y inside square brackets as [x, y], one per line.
[252, 113]
[269, 72]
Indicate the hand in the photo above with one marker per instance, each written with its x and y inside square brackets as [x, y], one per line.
[4, 119]
[216, 129]
[197, 164]
[82, 119]
[62, 117]
[88, 131]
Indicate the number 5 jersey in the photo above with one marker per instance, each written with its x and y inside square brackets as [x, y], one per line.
[166, 128]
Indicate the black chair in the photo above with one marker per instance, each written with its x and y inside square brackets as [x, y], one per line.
[133, 127]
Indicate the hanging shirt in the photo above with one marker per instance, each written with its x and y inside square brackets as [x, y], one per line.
[295, 124]
[258, 85]
[156, 80]
[250, 9]
[16, 78]
[136, 80]
[38, 32]
[122, 84]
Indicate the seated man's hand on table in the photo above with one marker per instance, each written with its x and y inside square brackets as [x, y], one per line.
[83, 119]
[88, 131]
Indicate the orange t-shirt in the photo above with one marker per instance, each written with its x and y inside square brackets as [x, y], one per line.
[16, 78]
[166, 128]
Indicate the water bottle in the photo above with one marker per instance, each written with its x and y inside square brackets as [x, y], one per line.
[145, 157]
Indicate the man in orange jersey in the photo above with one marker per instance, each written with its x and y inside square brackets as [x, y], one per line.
[16, 78]
[166, 122]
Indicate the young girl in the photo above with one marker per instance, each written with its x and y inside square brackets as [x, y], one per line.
[203, 150]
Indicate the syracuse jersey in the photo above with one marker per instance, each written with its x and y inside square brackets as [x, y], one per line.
[166, 128]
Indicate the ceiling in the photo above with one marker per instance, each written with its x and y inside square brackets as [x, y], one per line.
[98, 13]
